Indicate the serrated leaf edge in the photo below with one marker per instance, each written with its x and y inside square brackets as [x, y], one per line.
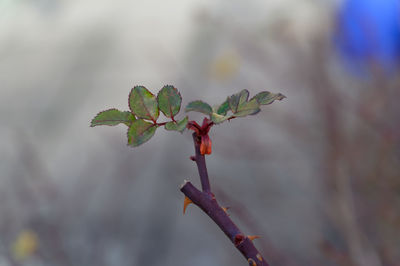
[147, 110]
[180, 96]
[150, 126]
[111, 109]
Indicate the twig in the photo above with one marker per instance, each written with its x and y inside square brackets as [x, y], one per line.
[206, 201]
[201, 165]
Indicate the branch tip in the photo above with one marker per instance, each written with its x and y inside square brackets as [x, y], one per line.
[184, 183]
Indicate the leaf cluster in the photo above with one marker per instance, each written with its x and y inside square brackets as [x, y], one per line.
[144, 111]
[236, 105]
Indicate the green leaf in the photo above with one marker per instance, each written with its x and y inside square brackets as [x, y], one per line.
[241, 107]
[238, 99]
[169, 101]
[217, 118]
[251, 107]
[140, 131]
[112, 117]
[266, 97]
[143, 103]
[199, 106]
[177, 126]
[223, 108]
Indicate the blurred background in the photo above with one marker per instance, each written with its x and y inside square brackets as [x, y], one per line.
[317, 175]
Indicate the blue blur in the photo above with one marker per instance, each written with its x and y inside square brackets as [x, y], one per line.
[368, 33]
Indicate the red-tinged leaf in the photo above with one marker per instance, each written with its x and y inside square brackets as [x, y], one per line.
[169, 101]
[143, 103]
[140, 131]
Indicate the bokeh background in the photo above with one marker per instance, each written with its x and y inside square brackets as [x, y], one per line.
[316, 175]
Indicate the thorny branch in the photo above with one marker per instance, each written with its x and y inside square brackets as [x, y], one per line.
[206, 201]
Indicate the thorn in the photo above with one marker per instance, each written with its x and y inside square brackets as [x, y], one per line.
[192, 158]
[226, 210]
[186, 202]
[253, 237]
[251, 262]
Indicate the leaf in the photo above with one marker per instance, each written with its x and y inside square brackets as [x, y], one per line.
[143, 103]
[140, 131]
[169, 101]
[177, 126]
[217, 118]
[223, 108]
[241, 107]
[112, 117]
[251, 107]
[248, 112]
[199, 106]
[237, 99]
[266, 97]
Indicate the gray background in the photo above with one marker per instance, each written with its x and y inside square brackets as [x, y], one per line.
[92, 200]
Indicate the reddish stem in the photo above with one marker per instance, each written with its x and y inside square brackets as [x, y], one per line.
[201, 164]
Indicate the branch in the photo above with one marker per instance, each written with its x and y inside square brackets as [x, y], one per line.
[206, 201]
[201, 165]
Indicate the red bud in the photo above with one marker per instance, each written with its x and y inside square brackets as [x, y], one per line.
[205, 145]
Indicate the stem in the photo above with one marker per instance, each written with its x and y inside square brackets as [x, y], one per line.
[201, 165]
[206, 201]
